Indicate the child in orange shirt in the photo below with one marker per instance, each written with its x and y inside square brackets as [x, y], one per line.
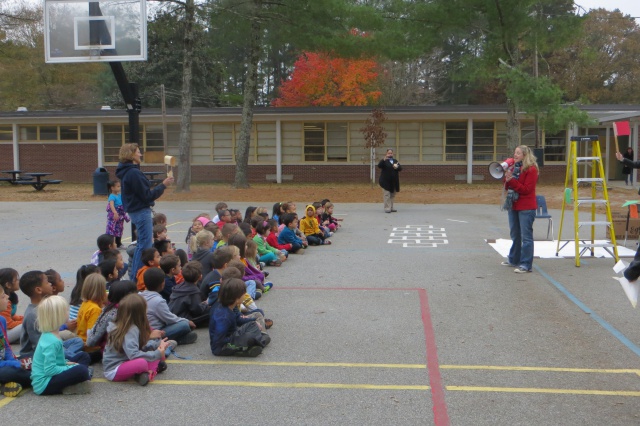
[150, 259]
[94, 296]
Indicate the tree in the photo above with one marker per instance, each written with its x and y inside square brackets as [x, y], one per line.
[374, 136]
[319, 79]
[601, 64]
[513, 33]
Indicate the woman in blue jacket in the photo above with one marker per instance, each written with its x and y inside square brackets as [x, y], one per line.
[138, 198]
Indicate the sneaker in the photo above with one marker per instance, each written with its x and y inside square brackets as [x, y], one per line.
[267, 286]
[262, 265]
[394, 211]
[252, 352]
[82, 388]
[90, 372]
[327, 242]
[162, 366]
[521, 270]
[268, 323]
[507, 264]
[258, 294]
[188, 338]
[276, 263]
[11, 389]
[142, 378]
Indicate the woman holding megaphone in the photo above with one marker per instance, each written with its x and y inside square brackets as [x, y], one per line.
[520, 182]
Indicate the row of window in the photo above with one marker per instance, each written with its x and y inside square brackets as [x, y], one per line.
[437, 141]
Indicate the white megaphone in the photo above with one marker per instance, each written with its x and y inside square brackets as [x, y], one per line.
[496, 169]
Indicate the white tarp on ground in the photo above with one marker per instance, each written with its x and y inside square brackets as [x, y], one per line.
[547, 249]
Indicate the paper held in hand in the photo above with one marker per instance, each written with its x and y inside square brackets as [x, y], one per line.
[170, 161]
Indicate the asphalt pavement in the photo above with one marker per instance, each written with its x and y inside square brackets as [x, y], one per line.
[407, 318]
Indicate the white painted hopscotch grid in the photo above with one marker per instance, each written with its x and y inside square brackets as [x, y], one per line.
[418, 236]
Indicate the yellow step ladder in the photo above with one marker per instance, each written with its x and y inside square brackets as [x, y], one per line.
[592, 159]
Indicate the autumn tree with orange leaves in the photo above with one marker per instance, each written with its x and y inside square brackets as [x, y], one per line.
[319, 79]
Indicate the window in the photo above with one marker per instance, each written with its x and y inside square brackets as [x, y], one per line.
[6, 133]
[266, 143]
[314, 142]
[409, 142]
[113, 139]
[483, 140]
[456, 140]
[555, 146]
[432, 136]
[223, 142]
[28, 133]
[48, 133]
[337, 146]
[68, 133]
[88, 133]
[153, 144]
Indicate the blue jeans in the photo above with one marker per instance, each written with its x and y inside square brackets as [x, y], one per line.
[521, 230]
[143, 221]
[74, 353]
[251, 288]
[176, 331]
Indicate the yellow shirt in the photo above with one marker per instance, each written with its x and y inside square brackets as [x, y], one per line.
[87, 317]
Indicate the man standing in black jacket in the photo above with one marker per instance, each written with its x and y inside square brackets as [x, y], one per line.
[389, 179]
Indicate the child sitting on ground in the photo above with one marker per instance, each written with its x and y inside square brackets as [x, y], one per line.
[309, 226]
[217, 234]
[268, 254]
[210, 284]
[97, 335]
[94, 296]
[288, 236]
[327, 217]
[129, 351]
[324, 226]
[186, 301]
[36, 286]
[197, 225]
[76, 294]
[231, 333]
[201, 248]
[13, 376]
[105, 242]
[159, 219]
[219, 207]
[51, 374]
[170, 265]
[109, 271]
[120, 265]
[272, 238]
[9, 281]
[159, 315]
[67, 331]
[150, 259]
[159, 233]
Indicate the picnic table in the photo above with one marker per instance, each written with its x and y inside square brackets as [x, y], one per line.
[39, 184]
[15, 178]
[152, 177]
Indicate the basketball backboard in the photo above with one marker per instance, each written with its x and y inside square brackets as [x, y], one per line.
[96, 31]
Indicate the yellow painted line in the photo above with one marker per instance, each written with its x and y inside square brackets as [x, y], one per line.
[289, 385]
[542, 390]
[281, 384]
[298, 364]
[547, 369]
[4, 401]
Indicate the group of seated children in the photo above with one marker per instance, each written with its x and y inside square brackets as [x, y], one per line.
[131, 325]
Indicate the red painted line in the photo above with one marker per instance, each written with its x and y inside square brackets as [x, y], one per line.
[347, 288]
[440, 414]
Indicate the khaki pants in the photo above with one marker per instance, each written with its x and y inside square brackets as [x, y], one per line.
[388, 200]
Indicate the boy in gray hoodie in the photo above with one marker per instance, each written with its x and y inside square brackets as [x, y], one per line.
[158, 313]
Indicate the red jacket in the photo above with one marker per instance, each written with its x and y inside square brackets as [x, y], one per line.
[272, 239]
[525, 185]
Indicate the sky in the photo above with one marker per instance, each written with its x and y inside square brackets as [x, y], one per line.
[627, 7]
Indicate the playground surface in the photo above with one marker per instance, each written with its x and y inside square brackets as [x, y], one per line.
[407, 318]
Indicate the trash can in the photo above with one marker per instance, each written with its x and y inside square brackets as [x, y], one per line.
[100, 181]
